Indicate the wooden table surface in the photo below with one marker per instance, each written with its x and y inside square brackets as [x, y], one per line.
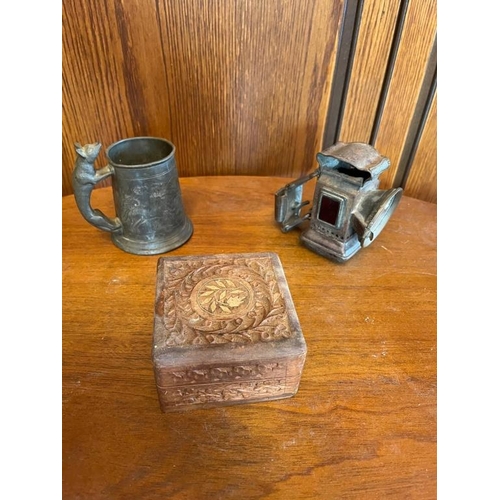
[363, 422]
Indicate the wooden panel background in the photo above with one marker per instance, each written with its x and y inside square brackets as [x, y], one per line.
[422, 179]
[251, 88]
[371, 57]
[415, 47]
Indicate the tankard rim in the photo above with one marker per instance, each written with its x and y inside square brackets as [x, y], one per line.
[141, 165]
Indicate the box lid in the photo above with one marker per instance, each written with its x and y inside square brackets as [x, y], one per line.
[224, 307]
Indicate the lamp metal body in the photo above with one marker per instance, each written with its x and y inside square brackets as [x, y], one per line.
[348, 210]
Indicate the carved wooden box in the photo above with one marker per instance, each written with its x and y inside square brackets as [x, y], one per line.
[225, 331]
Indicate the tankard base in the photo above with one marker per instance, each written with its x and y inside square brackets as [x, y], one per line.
[154, 247]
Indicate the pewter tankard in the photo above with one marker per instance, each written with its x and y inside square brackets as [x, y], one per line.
[150, 217]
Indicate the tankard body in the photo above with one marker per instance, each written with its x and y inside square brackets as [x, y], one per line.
[150, 217]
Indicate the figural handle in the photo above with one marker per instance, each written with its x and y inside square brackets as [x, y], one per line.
[85, 177]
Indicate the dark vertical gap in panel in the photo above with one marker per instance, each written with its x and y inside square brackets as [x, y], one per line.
[400, 22]
[350, 62]
[424, 103]
[341, 75]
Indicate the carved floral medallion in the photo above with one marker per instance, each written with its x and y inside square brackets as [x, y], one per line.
[213, 297]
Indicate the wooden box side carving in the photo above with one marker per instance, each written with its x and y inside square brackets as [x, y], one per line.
[210, 386]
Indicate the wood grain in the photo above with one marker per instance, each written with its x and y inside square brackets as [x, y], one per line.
[422, 180]
[239, 87]
[112, 69]
[414, 49]
[363, 423]
[376, 32]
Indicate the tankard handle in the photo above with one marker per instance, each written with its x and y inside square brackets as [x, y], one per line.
[85, 177]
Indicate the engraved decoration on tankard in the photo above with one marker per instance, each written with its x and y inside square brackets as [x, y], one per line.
[150, 217]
